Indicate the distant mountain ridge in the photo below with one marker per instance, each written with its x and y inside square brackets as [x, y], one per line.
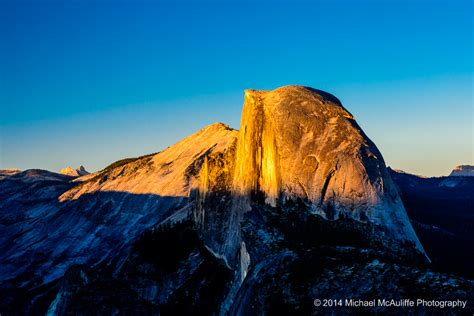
[463, 170]
[8, 172]
[78, 172]
[441, 210]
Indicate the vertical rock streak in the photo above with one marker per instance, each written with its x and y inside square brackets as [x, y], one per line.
[203, 188]
[244, 261]
[255, 171]
[256, 162]
[269, 182]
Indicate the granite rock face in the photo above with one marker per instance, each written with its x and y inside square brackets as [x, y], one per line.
[48, 222]
[313, 149]
[300, 143]
[206, 220]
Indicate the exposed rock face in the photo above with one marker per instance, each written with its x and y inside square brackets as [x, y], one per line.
[170, 173]
[22, 192]
[78, 172]
[209, 218]
[49, 223]
[299, 143]
[463, 170]
[310, 147]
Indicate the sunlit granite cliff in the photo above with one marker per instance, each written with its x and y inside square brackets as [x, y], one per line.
[233, 222]
[299, 143]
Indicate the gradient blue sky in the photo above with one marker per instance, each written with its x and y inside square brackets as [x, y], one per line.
[85, 82]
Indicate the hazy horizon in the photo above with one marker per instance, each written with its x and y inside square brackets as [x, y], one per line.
[89, 84]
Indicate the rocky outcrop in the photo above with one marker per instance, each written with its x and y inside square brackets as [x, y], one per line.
[300, 174]
[78, 172]
[463, 170]
[298, 143]
[311, 148]
[49, 223]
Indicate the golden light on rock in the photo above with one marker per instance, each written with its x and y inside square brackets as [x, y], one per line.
[256, 159]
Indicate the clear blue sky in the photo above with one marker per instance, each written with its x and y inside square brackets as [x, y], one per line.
[84, 82]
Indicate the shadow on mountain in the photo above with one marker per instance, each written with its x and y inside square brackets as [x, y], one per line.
[111, 252]
[47, 237]
[168, 271]
[326, 95]
[441, 211]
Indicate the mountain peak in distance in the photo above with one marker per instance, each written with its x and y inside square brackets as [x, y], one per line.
[463, 171]
[78, 172]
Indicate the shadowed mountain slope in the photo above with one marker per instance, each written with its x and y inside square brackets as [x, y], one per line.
[222, 222]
